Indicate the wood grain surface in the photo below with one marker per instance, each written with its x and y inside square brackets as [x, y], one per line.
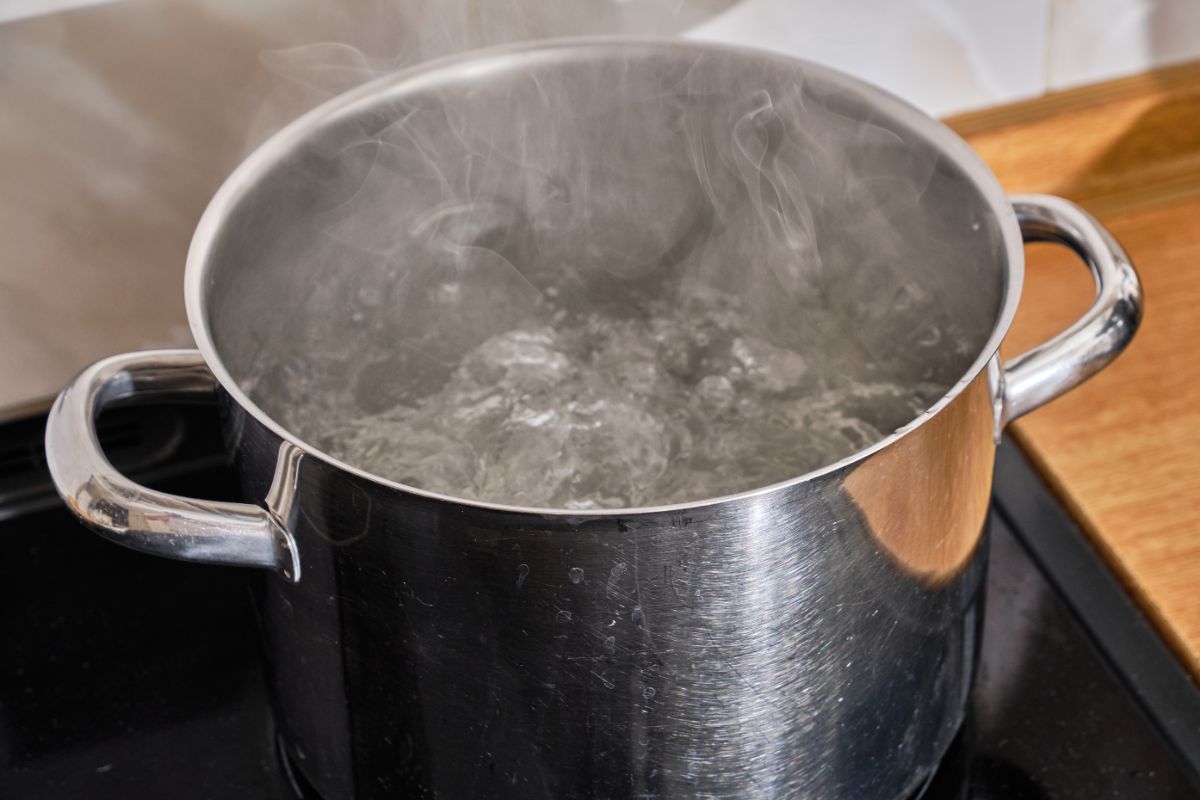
[1123, 450]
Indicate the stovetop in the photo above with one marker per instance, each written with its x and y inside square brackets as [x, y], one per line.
[124, 675]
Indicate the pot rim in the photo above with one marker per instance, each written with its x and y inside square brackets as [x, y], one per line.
[243, 179]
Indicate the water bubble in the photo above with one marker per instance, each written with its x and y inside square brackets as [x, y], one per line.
[370, 296]
[649, 692]
[685, 399]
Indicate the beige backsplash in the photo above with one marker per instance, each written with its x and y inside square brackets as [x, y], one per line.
[121, 119]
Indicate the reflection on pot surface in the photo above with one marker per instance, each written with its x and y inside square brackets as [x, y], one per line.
[544, 623]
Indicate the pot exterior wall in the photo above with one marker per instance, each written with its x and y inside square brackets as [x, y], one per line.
[812, 641]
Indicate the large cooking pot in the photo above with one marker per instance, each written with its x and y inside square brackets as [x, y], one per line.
[810, 639]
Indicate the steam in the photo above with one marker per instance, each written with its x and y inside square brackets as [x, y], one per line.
[333, 47]
[532, 196]
[328, 68]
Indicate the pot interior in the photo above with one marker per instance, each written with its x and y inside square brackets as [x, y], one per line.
[799, 256]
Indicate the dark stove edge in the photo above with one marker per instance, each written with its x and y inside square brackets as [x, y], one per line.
[1142, 660]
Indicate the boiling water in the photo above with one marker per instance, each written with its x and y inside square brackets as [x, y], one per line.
[668, 402]
[617, 280]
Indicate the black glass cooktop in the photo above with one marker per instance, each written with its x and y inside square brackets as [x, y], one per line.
[127, 676]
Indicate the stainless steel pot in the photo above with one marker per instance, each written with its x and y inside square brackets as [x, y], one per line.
[810, 639]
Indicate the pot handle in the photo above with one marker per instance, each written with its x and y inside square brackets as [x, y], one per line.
[133, 515]
[1051, 369]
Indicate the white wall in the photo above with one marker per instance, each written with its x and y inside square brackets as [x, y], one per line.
[946, 56]
[1093, 40]
[949, 56]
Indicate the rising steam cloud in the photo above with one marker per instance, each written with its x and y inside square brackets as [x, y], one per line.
[535, 192]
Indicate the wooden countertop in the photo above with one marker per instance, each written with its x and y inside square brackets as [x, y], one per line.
[1123, 450]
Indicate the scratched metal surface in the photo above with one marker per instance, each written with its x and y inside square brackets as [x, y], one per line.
[811, 640]
[104, 696]
[773, 642]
